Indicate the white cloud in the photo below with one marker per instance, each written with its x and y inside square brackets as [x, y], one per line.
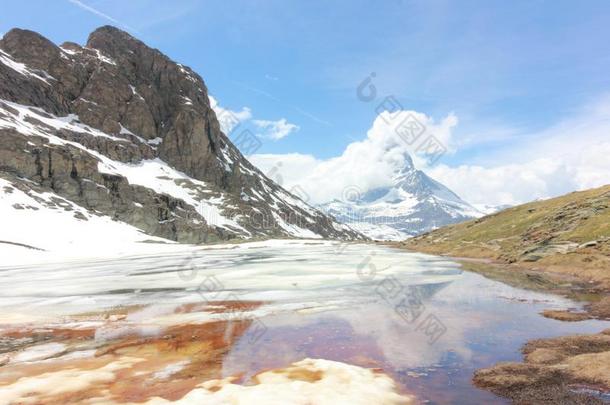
[275, 129]
[287, 169]
[365, 164]
[584, 167]
[229, 119]
[572, 155]
[504, 184]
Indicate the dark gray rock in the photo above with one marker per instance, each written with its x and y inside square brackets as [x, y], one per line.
[135, 95]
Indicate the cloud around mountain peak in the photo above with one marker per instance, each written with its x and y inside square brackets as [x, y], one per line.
[367, 164]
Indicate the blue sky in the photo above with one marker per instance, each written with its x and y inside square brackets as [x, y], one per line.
[509, 71]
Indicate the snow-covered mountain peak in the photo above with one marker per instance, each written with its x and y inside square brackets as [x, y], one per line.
[119, 130]
[413, 204]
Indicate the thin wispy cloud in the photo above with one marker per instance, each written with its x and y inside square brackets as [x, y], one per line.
[103, 15]
[313, 117]
[257, 90]
[294, 107]
[169, 14]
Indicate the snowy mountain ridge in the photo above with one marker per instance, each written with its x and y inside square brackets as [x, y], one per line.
[413, 204]
[116, 133]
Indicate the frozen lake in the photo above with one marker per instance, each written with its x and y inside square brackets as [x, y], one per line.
[419, 318]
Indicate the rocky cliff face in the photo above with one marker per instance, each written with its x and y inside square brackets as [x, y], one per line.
[123, 131]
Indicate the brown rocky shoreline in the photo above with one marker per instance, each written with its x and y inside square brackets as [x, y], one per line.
[560, 370]
[563, 370]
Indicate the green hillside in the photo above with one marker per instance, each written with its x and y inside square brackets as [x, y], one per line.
[567, 234]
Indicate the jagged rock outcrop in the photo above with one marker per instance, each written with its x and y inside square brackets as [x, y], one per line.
[122, 130]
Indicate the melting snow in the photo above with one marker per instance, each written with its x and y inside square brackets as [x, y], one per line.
[39, 352]
[335, 383]
[64, 381]
[40, 216]
[69, 123]
[160, 177]
[103, 57]
[135, 92]
[156, 174]
[68, 51]
[187, 73]
[22, 69]
[294, 229]
[171, 369]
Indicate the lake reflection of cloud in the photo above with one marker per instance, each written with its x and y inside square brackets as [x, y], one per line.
[485, 321]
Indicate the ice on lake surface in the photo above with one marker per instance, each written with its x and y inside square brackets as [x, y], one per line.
[420, 318]
[283, 273]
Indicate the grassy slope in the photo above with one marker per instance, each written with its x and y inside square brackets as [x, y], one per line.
[544, 234]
